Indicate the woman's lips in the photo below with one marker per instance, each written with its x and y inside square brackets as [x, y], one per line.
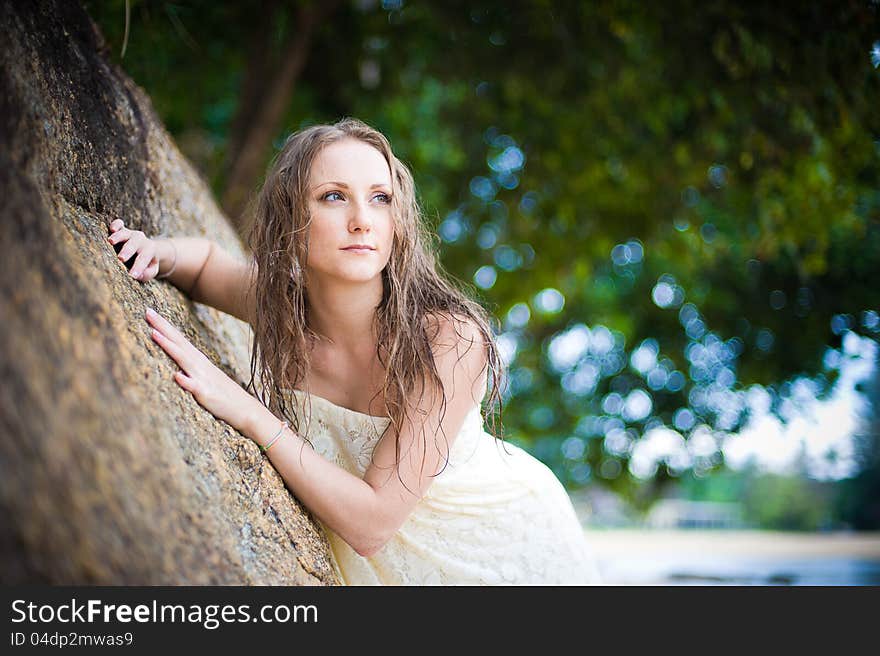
[358, 250]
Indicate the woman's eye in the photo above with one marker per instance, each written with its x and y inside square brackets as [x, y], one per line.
[335, 195]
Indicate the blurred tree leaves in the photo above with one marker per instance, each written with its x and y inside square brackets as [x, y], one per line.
[699, 174]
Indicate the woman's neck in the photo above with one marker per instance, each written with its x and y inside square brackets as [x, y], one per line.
[343, 314]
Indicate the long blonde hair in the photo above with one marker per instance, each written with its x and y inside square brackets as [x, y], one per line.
[416, 289]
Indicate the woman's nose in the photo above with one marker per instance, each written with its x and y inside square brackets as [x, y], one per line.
[359, 218]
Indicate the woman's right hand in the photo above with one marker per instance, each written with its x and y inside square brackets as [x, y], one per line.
[135, 242]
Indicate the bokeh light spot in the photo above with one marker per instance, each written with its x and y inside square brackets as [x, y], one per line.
[777, 299]
[638, 405]
[518, 315]
[483, 188]
[487, 236]
[452, 228]
[549, 301]
[485, 277]
[666, 293]
[573, 448]
[683, 419]
[718, 176]
[764, 339]
[690, 196]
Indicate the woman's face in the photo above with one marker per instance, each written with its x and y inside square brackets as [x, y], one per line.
[350, 204]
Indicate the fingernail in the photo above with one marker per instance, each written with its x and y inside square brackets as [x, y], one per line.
[151, 312]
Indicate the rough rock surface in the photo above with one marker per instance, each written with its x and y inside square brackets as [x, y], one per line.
[109, 472]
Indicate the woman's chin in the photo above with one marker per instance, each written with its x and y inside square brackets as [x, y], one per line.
[349, 276]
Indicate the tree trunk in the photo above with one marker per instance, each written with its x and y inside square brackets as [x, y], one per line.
[265, 97]
[109, 472]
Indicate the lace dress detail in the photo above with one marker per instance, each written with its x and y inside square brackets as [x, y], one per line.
[494, 516]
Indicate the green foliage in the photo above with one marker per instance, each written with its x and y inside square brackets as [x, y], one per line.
[788, 503]
[770, 501]
[733, 145]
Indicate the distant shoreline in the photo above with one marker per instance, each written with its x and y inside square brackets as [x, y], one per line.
[629, 542]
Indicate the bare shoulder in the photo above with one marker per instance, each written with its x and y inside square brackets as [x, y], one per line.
[457, 343]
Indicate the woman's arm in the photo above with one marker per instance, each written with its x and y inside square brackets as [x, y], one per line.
[345, 503]
[367, 512]
[196, 266]
[213, 277]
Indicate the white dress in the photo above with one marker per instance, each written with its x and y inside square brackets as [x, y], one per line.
[490, 517]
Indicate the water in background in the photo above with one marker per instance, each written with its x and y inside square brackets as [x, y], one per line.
[739, 571]
[697, 557]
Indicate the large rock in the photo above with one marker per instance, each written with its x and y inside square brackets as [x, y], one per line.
[109, 472]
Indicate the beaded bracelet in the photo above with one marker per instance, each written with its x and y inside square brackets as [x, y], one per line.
[277, 437]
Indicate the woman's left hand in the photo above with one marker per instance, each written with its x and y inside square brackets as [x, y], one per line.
[214, 390]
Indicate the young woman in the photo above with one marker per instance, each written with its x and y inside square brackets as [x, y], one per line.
[372, 368]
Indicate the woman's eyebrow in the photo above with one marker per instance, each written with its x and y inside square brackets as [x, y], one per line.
[337, 183]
